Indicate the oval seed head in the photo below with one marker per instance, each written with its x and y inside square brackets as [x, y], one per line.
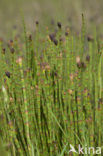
[3, 50]
[88, 58]
[59, 25]
[11, 41]
[30, 37]
[55, 42]
[7, 74]
[37, 22]
[12, 50]
[66, 33]
[62, 39]
[52, 36]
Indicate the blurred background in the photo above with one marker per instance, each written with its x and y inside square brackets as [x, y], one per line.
[50, 11]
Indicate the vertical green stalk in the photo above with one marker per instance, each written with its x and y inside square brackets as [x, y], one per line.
[25, 112]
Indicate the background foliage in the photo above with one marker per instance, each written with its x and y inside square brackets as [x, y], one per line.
[67, 11]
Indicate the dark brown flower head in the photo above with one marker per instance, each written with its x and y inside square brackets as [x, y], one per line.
[55, 42]
[12, 50]
[7, 74]
[37, 22]
[52, 36]
[55, 73]
[83, 65]
[30, 37]
[59, 25]
[66, 33]
[11, 41]
[90, 39]
[62, 39]
[3, 50]
[88, 58]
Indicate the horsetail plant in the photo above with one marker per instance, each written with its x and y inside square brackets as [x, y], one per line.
[25, 108]
[51, 93]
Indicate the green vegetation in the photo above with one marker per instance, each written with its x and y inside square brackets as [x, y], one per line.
[51, 92]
